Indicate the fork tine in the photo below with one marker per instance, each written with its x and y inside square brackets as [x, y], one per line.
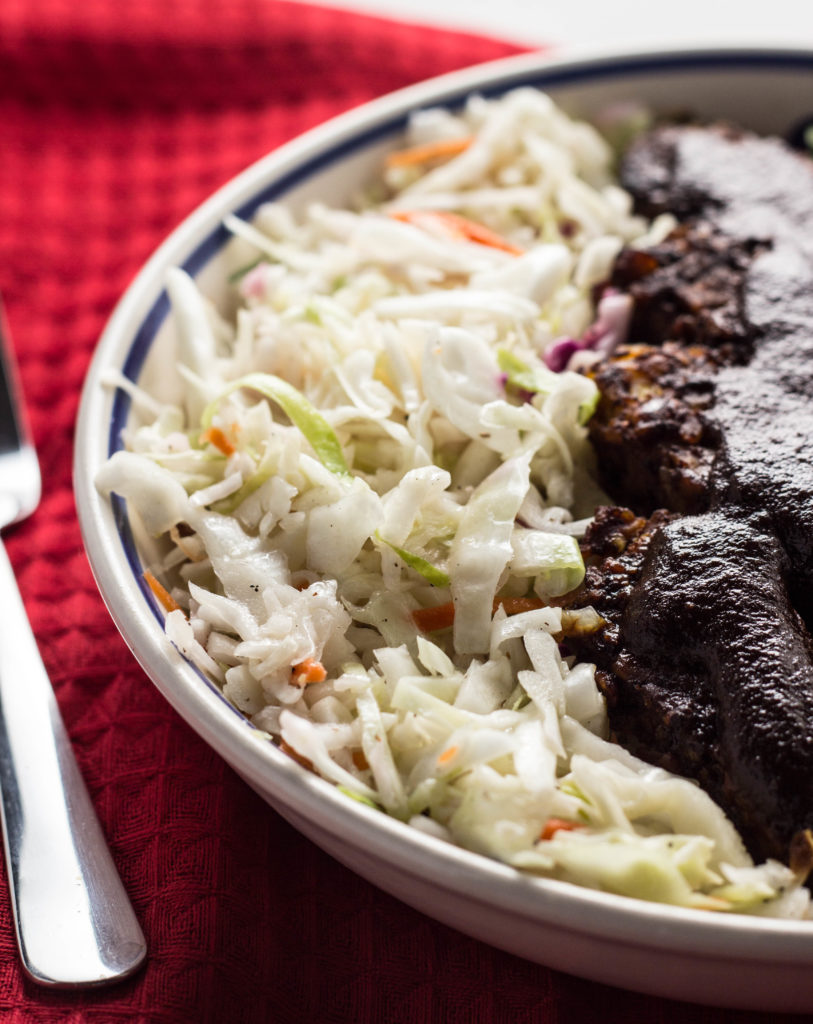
[20, 481]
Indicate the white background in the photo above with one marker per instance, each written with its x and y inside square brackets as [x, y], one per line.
[570, 24]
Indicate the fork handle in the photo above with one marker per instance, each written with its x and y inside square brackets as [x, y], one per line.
[75, 925]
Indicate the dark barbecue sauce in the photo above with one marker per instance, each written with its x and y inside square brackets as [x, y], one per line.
[709, 661]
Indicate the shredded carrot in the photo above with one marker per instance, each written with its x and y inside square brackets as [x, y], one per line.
[455, 226]
[554, 825]
[441, 616]
[163, 596]
[429, 151]
[286, 748]
[359, 760]
[308, 671]
[517, 605]
[215, 436]
[447, 755]
[430, 620]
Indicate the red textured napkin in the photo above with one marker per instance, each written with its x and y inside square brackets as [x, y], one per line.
[116, 120]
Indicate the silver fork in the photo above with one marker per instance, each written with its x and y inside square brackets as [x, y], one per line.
[75, 925]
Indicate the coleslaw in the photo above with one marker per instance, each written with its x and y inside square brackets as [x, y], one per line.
[372, 493]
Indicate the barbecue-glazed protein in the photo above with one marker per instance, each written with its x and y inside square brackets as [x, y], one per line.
[707, 655]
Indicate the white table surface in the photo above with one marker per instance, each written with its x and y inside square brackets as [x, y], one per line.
[571, 24]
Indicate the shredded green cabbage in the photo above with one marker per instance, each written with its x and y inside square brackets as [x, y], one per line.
[431, 573]
[315, 428]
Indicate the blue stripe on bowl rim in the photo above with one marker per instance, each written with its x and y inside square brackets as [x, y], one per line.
[589, 70]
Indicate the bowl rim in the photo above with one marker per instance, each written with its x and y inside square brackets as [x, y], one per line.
[534, 898]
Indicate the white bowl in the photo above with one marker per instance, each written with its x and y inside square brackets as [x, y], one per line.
[743, 962]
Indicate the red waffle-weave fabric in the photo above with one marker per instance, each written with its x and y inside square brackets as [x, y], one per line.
[116, 120]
